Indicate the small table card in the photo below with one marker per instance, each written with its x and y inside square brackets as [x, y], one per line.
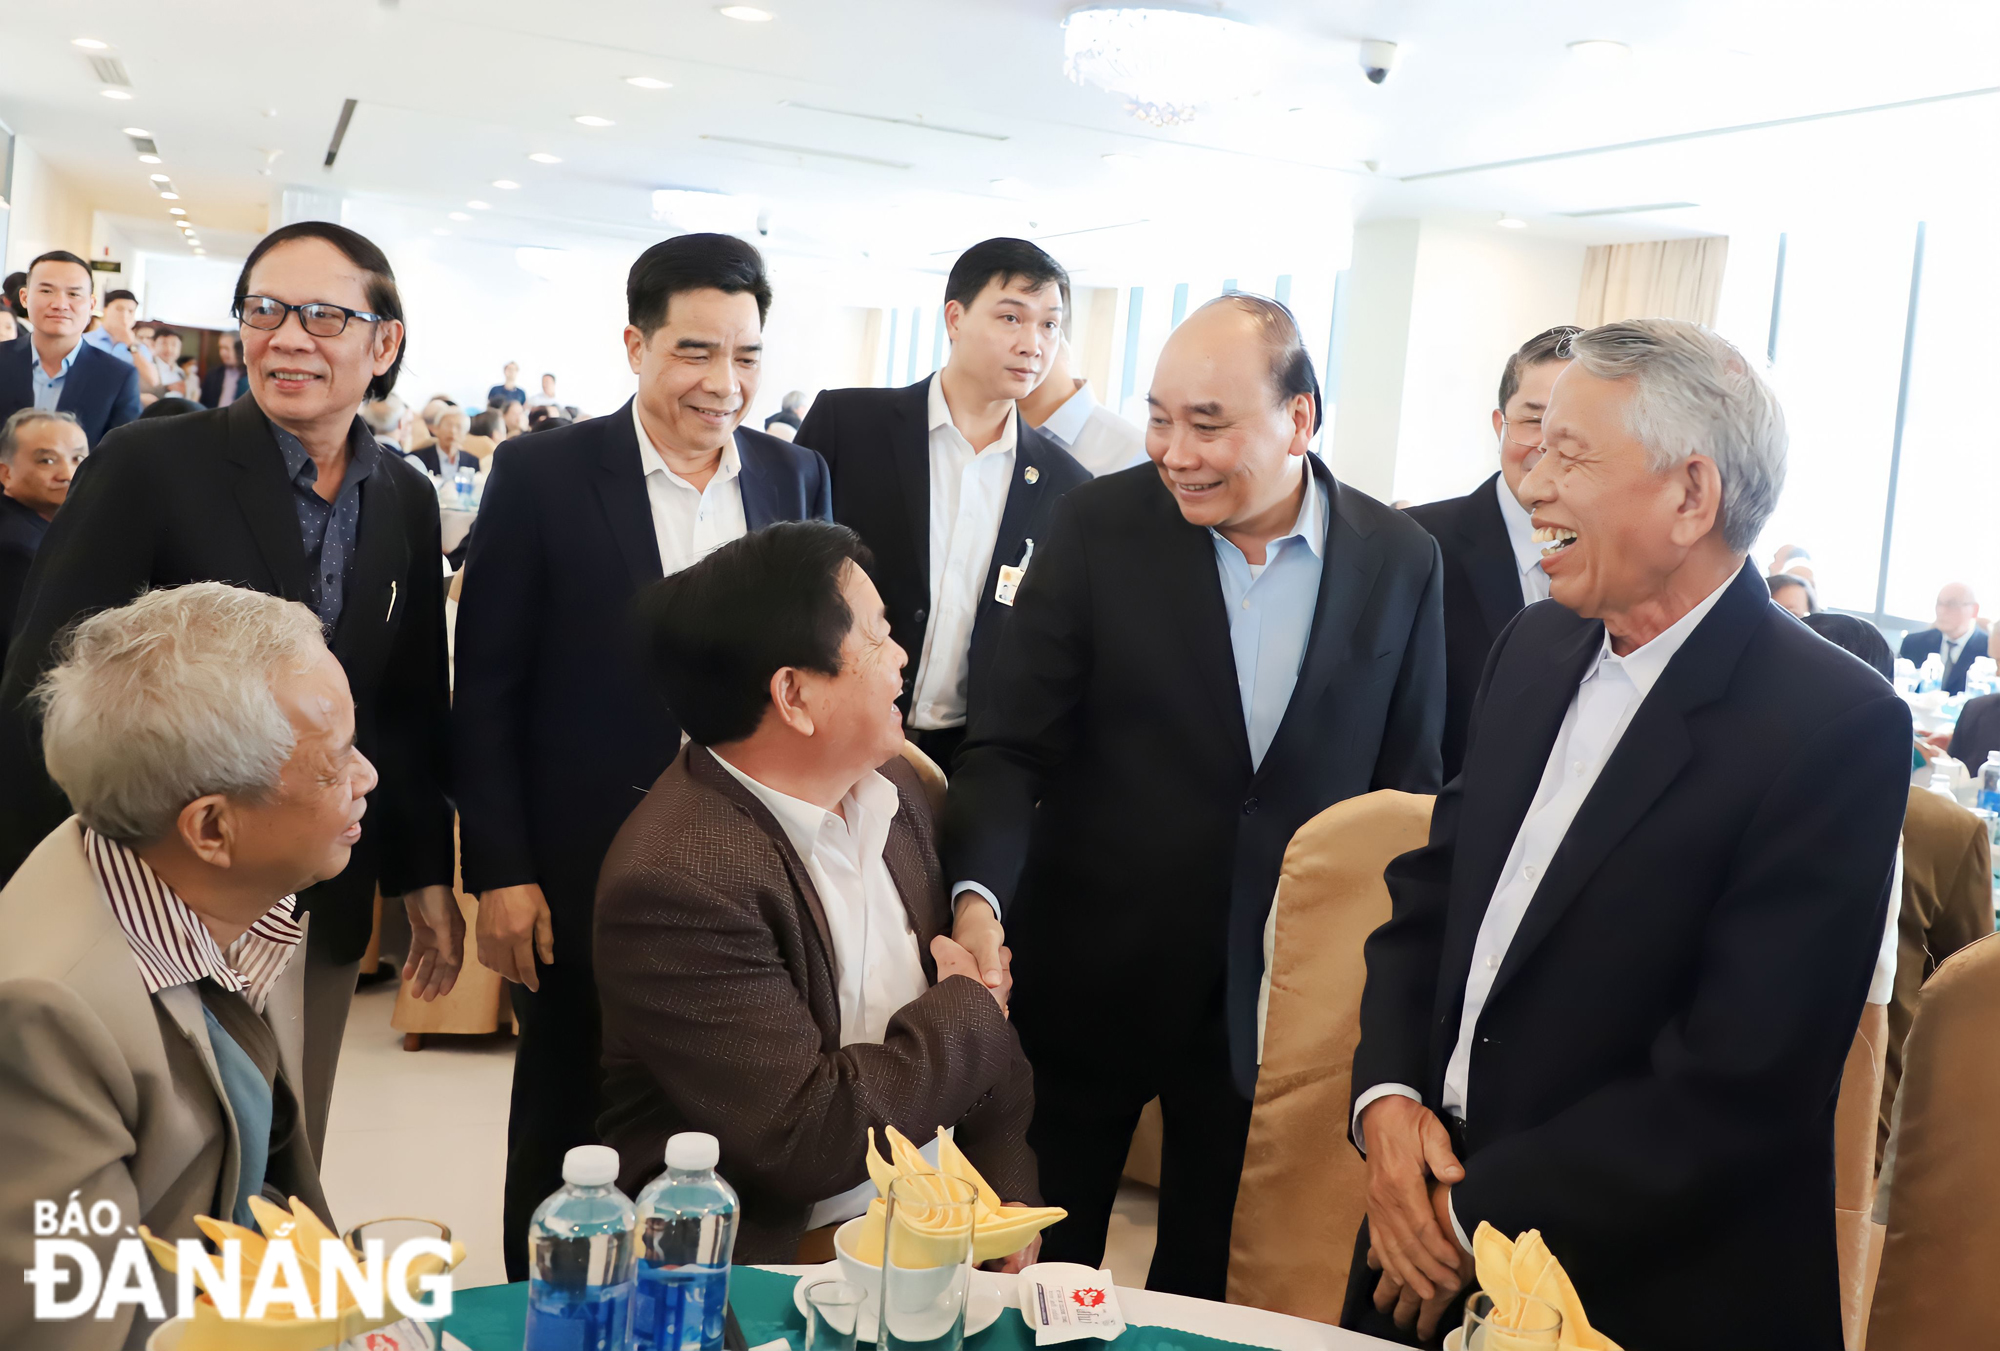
[1067, 1301]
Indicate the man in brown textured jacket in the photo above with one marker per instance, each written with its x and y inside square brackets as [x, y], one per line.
[772, 933]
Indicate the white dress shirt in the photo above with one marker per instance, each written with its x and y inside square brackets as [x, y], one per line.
[689, 523]
[1527, 551]
[1603, 706]
[876, 966]
[968, 493]
[1096, 437]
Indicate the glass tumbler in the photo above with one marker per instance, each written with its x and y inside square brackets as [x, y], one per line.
[833, 1315]
[927, 1263]
[1535, 1326]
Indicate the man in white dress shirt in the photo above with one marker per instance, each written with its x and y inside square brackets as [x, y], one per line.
[1066, 411]
[1618, 987]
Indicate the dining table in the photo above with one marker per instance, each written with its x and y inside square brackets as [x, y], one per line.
[494, 1318]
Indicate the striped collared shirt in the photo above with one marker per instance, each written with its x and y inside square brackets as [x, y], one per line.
[171, 944]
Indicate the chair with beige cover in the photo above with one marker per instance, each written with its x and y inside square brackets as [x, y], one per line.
[928, 774]
[1936, 1288]
[1304, 1189]
[1854, 1162]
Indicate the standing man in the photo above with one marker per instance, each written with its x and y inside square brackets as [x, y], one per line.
[221, 386]
[558, 730]
[1209, 651]
[121, 311]
[1617, 988]
[1065, 411]
[948, 486]
[509, 389]
[1492, 564]
[52, 367]
[547, 398]
[39, 455]
[287, 493]
[1956, 636]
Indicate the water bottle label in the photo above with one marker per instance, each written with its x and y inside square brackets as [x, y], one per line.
[1989, 799]
[679, 1308]
[593, 1319]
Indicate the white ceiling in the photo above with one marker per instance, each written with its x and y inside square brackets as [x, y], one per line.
[453, 94]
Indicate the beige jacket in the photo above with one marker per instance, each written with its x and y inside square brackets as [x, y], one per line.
[110, 1092]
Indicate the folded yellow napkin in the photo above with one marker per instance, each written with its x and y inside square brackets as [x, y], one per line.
[1509, 1269]
[923, 1234]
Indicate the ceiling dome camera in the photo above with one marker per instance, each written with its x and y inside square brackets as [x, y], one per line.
[1378, 60]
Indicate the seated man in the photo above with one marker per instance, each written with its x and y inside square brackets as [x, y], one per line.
[150, 1000]
[771, 936]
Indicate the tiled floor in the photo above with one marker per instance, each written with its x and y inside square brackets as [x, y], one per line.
[424, 1133]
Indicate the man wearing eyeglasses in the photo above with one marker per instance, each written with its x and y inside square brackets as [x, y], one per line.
[288, 492]
[1492, 564]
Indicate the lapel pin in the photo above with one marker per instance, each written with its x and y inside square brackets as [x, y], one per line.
[1033, 474]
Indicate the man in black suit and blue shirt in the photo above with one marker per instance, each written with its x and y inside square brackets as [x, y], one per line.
[1492, 564]
[40, 453]
[1617, 988]
[1210, 649]
[51, 367]
[1956, 636]
[558, 731]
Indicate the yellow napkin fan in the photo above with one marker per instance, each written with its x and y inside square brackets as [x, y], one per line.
[1509, 1269]
[282, 1330]
[997, 1231]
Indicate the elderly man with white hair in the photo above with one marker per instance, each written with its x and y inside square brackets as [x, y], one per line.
[1618, 986]
[151, 996]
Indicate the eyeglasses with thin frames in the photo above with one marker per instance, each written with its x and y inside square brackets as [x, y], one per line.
[1533, 427]
[320, 318]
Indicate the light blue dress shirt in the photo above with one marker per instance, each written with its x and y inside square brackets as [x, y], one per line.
[49, 388]
[1271, 614]
[104, 342]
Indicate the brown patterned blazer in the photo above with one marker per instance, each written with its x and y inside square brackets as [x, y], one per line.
[715, 973]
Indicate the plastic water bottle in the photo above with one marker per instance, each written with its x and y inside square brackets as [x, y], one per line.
[580, 1258]
[687, 1230]
[1930, 675]
[1989, 783]
[463, 482]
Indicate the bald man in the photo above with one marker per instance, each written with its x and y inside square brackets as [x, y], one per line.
[1957, 636]
[1209, 649]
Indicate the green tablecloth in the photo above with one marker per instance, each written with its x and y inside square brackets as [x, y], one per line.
[494, 1318]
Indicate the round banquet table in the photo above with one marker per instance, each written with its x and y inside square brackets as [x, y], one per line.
[492, 1318]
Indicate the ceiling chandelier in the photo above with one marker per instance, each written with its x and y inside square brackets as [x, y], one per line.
[1167, 63]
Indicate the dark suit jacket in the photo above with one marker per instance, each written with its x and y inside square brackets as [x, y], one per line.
[1655, 1070]
[211, 386]
[428, 457]
[21, 531]
[101, 390]
[557, 728]
[1482, 592]
[721, 1013]
[205, 497]
[877, 443]
[1923, 642]
[1106, 794]
[1977, 731]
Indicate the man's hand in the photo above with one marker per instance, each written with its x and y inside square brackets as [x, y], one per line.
[513, 930]
[954, 960]
[1407, 1147]
[1404, 1306]
[437, 941]
[978, 930]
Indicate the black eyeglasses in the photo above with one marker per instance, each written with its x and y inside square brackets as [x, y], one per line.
[320, 319]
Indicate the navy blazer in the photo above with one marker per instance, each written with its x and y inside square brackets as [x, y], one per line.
[877, 444]
[1654, 1072]
[558, 731]
[101, 390]
[1922, 642]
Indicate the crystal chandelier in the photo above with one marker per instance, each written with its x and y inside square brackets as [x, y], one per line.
[1168, 63]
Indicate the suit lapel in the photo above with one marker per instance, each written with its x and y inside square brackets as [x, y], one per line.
[183, 1005]
[265, 494]
[1494, 573]
[1192, 591]
[381, 556]
[621, 487]
[913, 884]
[756, 482]
[702, 767]
[17, 380]
[910, 444]
[1024, 495]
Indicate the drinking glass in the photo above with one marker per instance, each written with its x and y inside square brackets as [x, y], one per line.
[1536, 1325]
[927, 1263]
[833, 1313]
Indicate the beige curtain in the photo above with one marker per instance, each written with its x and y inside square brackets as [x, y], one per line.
[1660, 279]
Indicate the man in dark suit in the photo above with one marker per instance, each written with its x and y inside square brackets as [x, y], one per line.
[52, 367]
[39, 456]
[1492, 565]
[556, 728]
[1957, 636]
[776, 902]
[226, 381]
[948, 486]
[1617, 988]
[1210, 649]
[287, 494]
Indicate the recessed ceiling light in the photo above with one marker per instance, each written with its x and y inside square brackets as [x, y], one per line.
[149, 159]
[176, 211]
[89, 44]
[646, 82]
[458, 215]
[744, 13]
[505, 184]
[544, 157]
[201, 250]
[440, 230]
[592, 120]
[480, 206]
[1120, 159]
[170, 196]
[118, 94]
[140, 132]
[1511, 223]
[158, 178]
[1599, 51]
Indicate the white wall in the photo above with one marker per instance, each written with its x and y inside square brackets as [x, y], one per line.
[1381, 286]
[191, 292]
[48, 212]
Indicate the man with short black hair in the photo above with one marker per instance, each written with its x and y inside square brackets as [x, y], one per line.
[52, 367]
[121, 310]
[39, 455]
[547, 398]
[509, 389]
[946, 483]
[221, 386]
[1492, 564]
[556, 727]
